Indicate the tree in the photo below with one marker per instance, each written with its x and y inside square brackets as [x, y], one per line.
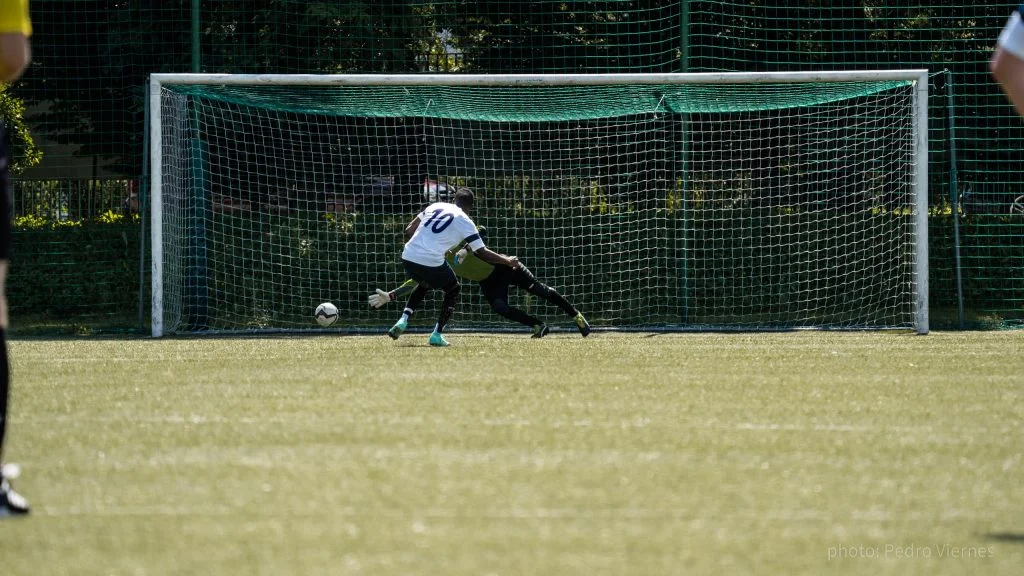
[25, 152]
[498, 36]
[91, 59]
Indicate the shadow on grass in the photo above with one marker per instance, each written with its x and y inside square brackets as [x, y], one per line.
[1011, 537]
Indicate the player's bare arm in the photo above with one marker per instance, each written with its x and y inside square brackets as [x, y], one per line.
[411, 227]
[492, 257]
[15, 54]
[1007, 63]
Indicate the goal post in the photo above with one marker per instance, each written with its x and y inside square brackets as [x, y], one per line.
[720, 201]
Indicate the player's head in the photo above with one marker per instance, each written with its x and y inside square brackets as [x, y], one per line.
[464, 198]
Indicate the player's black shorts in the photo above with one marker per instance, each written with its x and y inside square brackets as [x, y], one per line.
[6, 195]
[495, 286]
[433, 276]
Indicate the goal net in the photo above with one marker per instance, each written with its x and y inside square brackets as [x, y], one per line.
[763, 201]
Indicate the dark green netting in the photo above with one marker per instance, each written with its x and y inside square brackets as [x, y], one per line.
[555, 103]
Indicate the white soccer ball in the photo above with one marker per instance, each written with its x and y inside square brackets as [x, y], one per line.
[326, 314]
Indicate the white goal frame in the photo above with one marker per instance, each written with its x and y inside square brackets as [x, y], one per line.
[919, 121]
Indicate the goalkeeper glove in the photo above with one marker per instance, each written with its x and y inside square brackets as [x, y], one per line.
[380, 298]
[460, 256]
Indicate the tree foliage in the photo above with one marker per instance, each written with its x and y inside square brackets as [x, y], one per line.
[23, 148]
[92, 57]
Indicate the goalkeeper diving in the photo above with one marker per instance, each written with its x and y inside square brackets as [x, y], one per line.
[494, 282]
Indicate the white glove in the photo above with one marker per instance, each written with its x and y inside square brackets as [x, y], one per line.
[460, 256]
[380, 298]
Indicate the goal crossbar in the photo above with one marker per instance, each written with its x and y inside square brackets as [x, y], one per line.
[541, 79]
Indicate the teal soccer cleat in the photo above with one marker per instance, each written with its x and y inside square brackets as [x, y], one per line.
[397, 329]
[436, 339]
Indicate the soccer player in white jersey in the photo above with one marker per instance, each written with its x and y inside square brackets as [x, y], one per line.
[431, 233]
[1007, 63]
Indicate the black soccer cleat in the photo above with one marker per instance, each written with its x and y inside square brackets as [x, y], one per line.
[540, 331]
[582, 324]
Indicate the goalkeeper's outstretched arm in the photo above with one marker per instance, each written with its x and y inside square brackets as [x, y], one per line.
[380, 297]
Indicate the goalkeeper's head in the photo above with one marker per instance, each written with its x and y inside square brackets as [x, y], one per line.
[464, 199]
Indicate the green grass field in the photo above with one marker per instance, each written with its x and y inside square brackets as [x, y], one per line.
[796, 453]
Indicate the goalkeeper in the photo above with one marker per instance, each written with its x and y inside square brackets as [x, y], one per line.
[494, 282]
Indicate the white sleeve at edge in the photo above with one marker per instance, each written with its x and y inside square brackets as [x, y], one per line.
[1012, 37]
